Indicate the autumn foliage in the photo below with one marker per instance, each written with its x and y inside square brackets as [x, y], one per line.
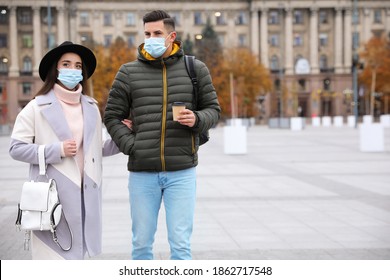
[250, 80]
[376, 74]
[109, 62]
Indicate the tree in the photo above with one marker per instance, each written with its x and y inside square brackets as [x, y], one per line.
[109, 62]
[251, 77]
[208, 48]
[376, 73]
[188, 46]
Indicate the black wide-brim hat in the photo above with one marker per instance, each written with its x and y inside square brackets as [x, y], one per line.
[86, 55]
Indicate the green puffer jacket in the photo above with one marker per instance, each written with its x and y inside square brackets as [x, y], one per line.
[144, 90]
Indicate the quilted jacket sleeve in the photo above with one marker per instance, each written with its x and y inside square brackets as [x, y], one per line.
[208, 112]
[118, 108]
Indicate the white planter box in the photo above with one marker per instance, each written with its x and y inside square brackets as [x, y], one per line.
[351, 121]
[315, 121]
[338, 121]
[326, 121]
[367, 119]
[296, 123]
[235, 140]
[385, 120]
[372, 137]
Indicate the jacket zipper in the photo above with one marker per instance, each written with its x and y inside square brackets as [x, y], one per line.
[164, 117]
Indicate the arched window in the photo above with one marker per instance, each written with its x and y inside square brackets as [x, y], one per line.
[298, 57]
[27, 64]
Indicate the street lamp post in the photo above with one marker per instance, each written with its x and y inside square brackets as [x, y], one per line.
[281, 7]
[355, 60]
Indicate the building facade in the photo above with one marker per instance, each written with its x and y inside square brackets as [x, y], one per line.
[306, 44]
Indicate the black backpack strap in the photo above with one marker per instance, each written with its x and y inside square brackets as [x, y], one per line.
[190, 66]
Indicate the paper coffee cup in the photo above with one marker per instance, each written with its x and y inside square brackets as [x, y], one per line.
[176, 108]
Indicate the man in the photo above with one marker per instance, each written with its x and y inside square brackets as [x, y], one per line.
[162, 152]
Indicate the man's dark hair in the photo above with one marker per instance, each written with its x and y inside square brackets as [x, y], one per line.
[158, 15]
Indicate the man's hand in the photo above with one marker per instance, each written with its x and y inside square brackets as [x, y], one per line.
[186, 117]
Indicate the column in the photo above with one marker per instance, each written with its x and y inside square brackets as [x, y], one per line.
[72, 23]
[186, 27]
[289, 62]
[14, 66]
[60, 25]
[264, 37]
[387, 20]
[97, 27]
[348, 41]
[255, 31]
[314, 40]
[366, 25]
[118, 25]
[232, 35]
[338, 41]
[37, 37]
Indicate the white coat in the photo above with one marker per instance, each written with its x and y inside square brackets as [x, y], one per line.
[42, 121]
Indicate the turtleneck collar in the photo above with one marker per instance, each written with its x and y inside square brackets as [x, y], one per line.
[68, 96]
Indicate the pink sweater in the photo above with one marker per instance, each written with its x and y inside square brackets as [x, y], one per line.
[71, 106]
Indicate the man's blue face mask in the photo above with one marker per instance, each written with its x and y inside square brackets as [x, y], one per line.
[155, 46]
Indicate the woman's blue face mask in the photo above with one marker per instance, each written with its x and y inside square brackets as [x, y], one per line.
[70, 77]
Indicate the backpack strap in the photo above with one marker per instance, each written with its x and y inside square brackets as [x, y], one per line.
[189, 61]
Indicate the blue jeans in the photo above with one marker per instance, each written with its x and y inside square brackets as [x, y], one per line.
[178, 191]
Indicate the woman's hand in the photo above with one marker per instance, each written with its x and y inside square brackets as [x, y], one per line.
[70, 148]
[128, 123]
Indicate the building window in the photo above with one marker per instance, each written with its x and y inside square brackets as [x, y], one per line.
[107, 19]
[220, 18]
[131, 41]
[323, 38]
[176, 17]
[241, 18]
[107, 40]
[242, 40]
[377, 16]
[27, 40]
[274, 63]
[298, 40]
[26, 88]
[221, 39]
[274, 40]
[198, 18]
[84, 19]
[50, 41]
[27, 64]
[326, 84]
[277, 84]
[3, 65]
[302, 84]
[130, 19]
[323, 17]
[3, 15]
[3, 41]
[298, 17]
[273, 17]
[86, 38]
[323, 62]
[25, 16]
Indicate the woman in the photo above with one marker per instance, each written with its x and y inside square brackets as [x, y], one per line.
[68, 123]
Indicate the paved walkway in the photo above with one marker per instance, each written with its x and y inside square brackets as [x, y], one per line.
[307, 194]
